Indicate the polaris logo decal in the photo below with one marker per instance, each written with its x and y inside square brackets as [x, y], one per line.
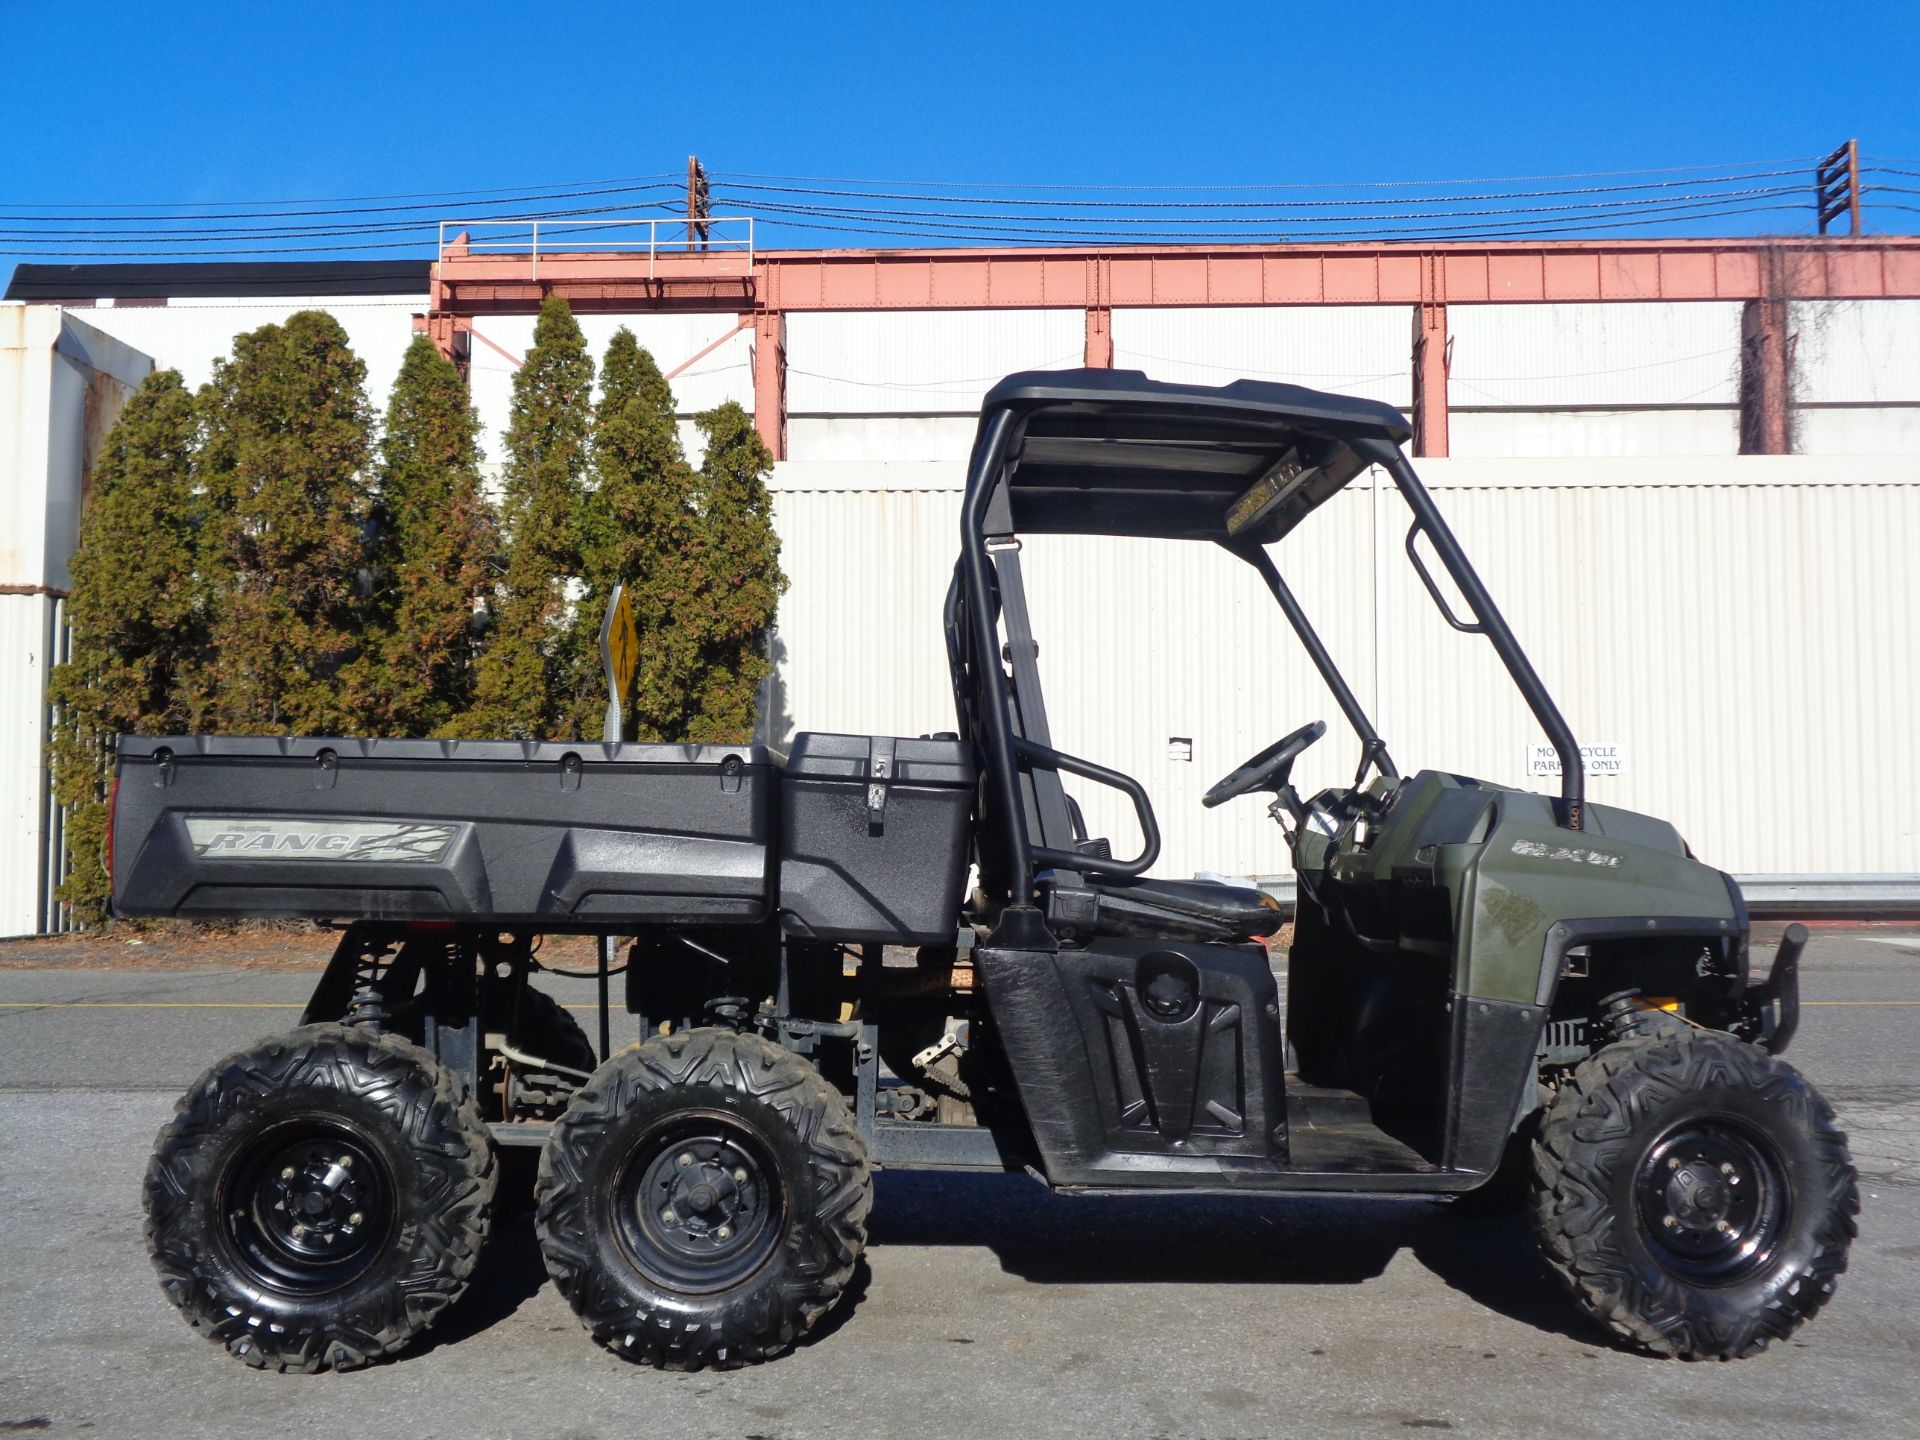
[369, 841]
[1571, 854]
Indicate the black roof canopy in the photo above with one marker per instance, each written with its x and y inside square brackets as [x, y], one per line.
[1110, 452]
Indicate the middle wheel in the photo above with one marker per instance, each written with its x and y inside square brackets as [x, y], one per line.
[703, 1200]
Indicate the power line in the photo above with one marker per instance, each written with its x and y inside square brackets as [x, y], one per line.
[429, 212]
[302, 232]
[1262, 204]
[1798, 164]
[939, 227]
[526, 190]
[1650, 204]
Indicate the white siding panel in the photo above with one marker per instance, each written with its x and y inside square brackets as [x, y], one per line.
[1353, 350]
[26, 434]
[1744, 626]
[1142, 641]
[1599, 354]
[26, 625]
[672, 340]
[1476, 433]
[189, 335]
[859, 646]
[1856, 351]
[1857, 430]
[907, 438]
[920, 362]
[1747, 638]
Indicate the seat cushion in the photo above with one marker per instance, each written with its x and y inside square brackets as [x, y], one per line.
[1238, 909]
[1158, 909]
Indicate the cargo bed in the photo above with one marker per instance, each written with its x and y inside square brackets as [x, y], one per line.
[562, 834]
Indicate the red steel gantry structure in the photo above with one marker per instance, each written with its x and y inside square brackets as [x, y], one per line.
[763, 287]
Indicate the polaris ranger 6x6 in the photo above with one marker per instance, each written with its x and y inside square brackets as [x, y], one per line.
[1477, 975]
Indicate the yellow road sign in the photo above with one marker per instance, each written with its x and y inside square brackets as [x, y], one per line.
[620, 647]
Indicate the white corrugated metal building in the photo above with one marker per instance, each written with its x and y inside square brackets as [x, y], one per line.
[1741, 626]
[61, 383]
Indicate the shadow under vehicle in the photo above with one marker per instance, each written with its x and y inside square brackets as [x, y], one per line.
[1485, 987]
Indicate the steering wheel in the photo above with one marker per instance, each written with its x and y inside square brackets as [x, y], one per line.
[1269, 769]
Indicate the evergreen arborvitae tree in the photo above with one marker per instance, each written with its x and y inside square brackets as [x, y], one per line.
[525, 684]
[641, 529]
[285, 553]
[434, 543]
[135, 616]
[741, 559]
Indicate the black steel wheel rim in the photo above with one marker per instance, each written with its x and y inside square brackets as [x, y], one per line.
[1712, 1201]
[307, 1206]
[699, 1205]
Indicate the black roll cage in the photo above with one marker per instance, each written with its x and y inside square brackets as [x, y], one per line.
[1167, 448]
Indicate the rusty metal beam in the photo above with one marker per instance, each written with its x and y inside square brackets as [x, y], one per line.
[1099, 348]
[698, 356]
[770, 380]
[1877, 267]
[451, 335]
[1432, 358]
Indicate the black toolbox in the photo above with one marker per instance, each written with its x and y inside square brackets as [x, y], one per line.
[490, 830]
[873, 837]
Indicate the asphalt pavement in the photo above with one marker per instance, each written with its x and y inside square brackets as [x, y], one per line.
[986, 1307]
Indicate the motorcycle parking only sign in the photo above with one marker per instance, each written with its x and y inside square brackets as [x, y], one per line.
[1604, 759]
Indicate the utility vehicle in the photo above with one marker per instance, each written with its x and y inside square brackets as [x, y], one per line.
[1476, 975]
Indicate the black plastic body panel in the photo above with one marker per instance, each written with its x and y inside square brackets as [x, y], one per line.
[1139, 1061]
[585, 835]
[874, 838]
[1491, 1081]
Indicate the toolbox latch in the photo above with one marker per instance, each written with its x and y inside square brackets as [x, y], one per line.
[326, 769]
[879, 777]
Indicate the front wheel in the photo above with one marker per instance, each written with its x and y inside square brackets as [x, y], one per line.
[320, 1199]
[1694, 1193]
[703, 1200]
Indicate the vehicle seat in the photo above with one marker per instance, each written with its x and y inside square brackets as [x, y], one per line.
[1160, 909]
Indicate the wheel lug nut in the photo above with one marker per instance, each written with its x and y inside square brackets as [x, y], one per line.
[287, 1174]
[725, 1232]
[1669, 1221]
[1673, 1162]
[355, 1218]
[346, 1162]
[1723, 1226]
[669, 1216]
[740, 1177]
[684, 1160]
[299, 1232]
[1726, 1167]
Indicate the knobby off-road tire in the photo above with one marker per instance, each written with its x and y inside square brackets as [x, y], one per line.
[547, 1029]
[293, 1260]
[704, 1200]
[1694, 1193]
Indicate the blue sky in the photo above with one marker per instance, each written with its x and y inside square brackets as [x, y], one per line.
[214, 102]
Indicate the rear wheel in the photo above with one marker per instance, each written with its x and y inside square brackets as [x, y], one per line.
[319, 1200]
[703, 1201]
[1694, 1193]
